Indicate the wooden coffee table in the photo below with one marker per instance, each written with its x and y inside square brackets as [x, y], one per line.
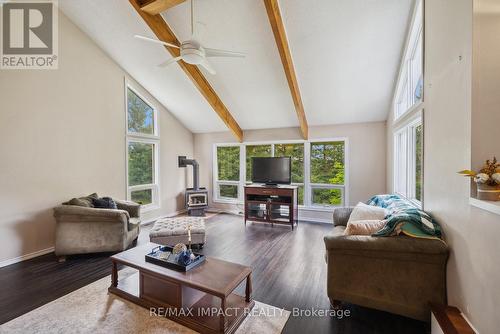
[201, 299]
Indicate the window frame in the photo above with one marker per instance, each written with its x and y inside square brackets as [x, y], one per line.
[308, 205]
[406, 153]
[215, 175]
[154, 139]
[343, 188]
[405, 83]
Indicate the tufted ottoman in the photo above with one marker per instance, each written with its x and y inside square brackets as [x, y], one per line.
[171, 231]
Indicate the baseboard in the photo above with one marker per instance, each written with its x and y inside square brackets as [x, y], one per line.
[230, 212]
[25, 257]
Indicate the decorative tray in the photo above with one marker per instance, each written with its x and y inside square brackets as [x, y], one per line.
[163, 256]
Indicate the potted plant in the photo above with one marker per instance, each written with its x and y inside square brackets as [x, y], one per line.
[487, 180]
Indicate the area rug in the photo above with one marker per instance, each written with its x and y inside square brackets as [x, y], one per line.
[92, 310]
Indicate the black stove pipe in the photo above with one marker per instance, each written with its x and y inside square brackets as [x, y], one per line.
[183, 162]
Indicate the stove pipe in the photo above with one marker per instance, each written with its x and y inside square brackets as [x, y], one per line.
[183, 162]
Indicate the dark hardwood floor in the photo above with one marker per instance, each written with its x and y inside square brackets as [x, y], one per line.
[289, 272]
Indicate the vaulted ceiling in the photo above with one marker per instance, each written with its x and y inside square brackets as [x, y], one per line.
[346, 55]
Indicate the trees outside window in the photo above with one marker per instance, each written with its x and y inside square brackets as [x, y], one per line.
[296, 152]
[324, 185]
[142, 150]
[408, 160]
[228, 172]
[327, 172]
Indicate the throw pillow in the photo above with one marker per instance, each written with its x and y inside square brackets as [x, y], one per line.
[364, 227]
[363, 211]
[86, 201]
[104, 203]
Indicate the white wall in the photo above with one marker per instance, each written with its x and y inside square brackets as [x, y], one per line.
[472, 234]
[485, 79]
[367, 157]
[62, 134]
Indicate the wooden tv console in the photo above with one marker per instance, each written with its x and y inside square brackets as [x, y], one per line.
[271, 204]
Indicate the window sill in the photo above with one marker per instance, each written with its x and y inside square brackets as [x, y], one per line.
[493, 207]
[319, 208]
[228, 201]
[148, 208]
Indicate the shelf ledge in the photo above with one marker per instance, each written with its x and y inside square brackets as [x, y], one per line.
[490, 206]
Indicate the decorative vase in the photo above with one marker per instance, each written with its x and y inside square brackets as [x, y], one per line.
[488, 193]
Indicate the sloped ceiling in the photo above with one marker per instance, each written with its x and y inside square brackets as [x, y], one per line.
[346, 55]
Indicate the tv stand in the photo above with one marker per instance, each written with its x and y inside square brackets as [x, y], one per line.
[271, 204]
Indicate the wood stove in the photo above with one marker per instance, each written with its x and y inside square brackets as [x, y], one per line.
[197, 197]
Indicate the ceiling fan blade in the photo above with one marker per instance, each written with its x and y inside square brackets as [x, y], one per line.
[170, 61]
[223, 53]
[157, 41]
[206, 65]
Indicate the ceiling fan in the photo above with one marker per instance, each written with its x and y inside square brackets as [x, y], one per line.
[192, 51]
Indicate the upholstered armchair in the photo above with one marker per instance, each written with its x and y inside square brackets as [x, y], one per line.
[401, 275]
[82, 230]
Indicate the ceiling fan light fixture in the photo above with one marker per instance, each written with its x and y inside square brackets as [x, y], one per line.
[192, 56]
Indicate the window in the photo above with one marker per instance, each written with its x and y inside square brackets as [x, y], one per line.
[408, 161]
[142, 151]
[318, 170]
[296, 152]
[409, 90]
[228, 172]
[327, 173]
[409, 101]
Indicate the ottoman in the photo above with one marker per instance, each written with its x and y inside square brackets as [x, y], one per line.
[171, 231]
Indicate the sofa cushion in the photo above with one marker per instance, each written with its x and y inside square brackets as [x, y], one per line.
[364, 227]
[104, 203]
[86, 201]
[367, 212]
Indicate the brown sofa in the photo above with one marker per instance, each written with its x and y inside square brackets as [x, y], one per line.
[401, 275]
[81, 230]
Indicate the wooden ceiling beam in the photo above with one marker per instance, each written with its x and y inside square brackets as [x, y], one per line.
[273, 12]
[154, 7]
[163, 32]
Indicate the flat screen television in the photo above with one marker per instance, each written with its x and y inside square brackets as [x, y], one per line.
[272, 170]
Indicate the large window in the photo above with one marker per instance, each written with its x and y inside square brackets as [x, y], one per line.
[409, 90]
[296, 152]
[142, 151]
[408, 160]
[327, 172]
[228, 172]
[318, 170]
[409, 102]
